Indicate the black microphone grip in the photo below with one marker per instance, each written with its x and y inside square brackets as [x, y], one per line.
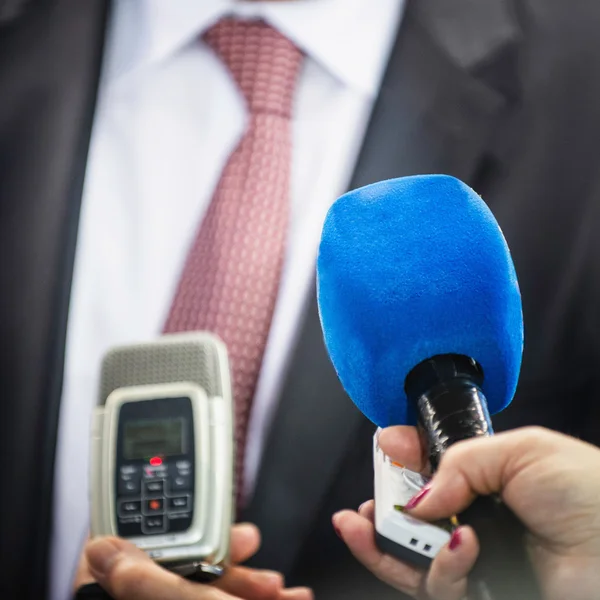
[446, 394]
[503, 569]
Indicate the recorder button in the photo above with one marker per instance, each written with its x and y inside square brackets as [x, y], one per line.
[130, 470]
[129, 508]
[180, 521]
[181, 468]
[181, 482]
[155, 506]
[154, 524]
[179, 503]
[130, 527]
[155, 472]
[153, 487]
[129, 486]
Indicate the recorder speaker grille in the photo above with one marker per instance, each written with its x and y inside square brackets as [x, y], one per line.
[178, 359]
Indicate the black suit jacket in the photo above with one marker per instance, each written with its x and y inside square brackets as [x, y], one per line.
[501, 93]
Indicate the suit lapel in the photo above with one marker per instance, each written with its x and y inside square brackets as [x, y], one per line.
[446, 81]
[49, 69]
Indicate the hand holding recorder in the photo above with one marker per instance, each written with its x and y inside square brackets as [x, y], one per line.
[549, 480]
[127, 573]
[162, 492]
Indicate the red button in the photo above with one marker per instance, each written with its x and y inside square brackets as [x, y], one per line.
[154, 505]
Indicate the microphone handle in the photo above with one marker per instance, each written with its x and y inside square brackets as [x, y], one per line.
[503, 569]
[451, 407]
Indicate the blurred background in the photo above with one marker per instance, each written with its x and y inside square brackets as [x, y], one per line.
[167, 166]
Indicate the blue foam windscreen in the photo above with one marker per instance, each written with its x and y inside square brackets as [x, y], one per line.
[409, 269]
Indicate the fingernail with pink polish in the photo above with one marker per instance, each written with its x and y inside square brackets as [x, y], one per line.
[455, 540]
[417, 498]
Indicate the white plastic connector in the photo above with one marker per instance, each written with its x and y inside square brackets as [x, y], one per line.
[399, 534]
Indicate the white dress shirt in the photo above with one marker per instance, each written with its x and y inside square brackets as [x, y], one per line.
[167, 119]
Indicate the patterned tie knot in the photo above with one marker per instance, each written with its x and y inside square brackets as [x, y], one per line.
[263, 63]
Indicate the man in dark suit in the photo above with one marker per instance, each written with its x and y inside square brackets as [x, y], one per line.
[500, 93]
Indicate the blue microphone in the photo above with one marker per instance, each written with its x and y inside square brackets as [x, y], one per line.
[422, 318]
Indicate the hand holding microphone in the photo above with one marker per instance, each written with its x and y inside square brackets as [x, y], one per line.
[422, 318]
[549, 480]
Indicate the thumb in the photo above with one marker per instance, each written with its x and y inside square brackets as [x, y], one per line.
[479, 467]
[127, 573]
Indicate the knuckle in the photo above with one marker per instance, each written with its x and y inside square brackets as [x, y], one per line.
[184, 589]
[398, 575]
[455, 455]
[443, 585]
[127, 577]
[436, 589]
[535, 432]
[535, 436]
[213, 594]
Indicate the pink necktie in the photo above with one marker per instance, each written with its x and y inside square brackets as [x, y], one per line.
[231, 276]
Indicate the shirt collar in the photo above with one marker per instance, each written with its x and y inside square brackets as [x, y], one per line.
[349, 38]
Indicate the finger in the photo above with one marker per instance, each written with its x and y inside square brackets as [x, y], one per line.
[367, 510]
[297, 594]
[357, 533]
[447, 578]
[251, 584]
[127, 573]
[479, 467]
[403, 445]
[83, 575]
[245, 542]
